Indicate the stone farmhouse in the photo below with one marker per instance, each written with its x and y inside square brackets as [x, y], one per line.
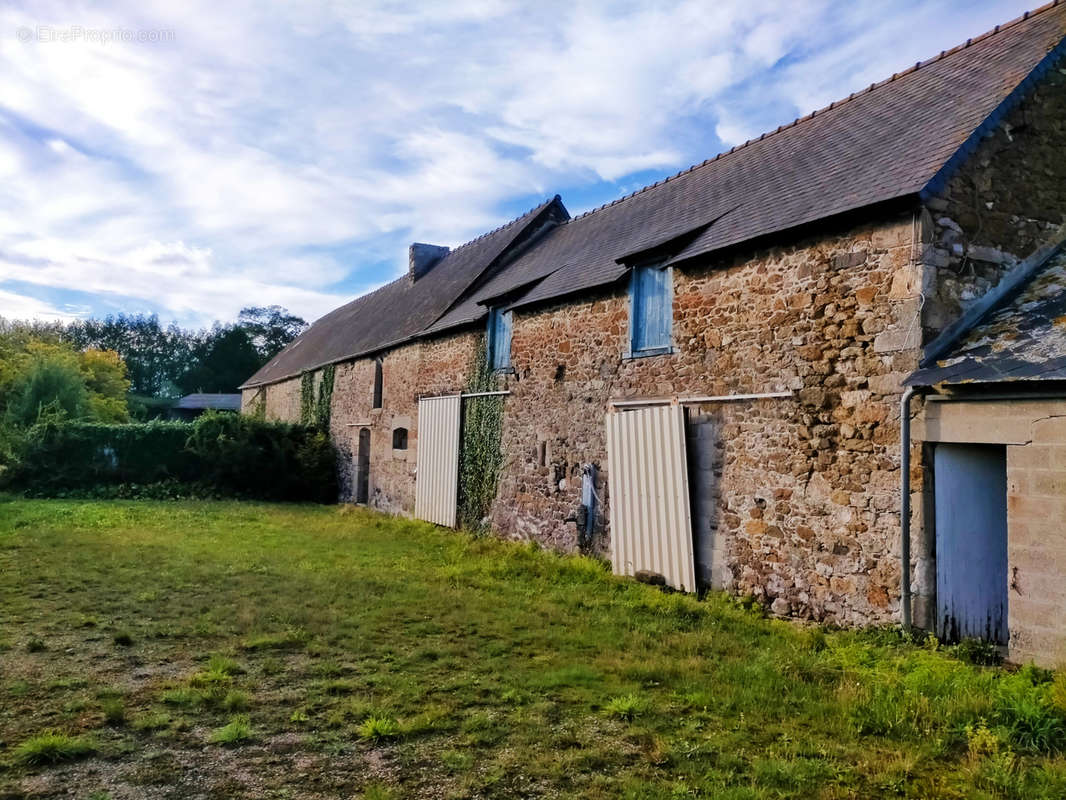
[706, 380]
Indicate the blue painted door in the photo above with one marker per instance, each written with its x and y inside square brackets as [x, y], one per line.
[970, 487]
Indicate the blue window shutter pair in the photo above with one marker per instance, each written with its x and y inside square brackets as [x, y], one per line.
[651, 307]
[499, 345]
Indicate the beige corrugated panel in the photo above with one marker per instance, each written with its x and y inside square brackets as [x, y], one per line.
[437, 476]
[651, 526]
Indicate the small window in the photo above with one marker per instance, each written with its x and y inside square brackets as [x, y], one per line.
[499, 339]
[377, 383]
[651, 310]
[399, 439]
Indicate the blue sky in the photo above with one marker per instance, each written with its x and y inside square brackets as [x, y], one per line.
[191, 158]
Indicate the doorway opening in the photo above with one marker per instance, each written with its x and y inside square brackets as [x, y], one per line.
[362, 467]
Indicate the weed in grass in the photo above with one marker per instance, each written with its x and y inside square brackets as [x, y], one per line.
[63, 684]
[19, 688]
[182, 696]
[76, 706]
[378, 791]
[339, 687]
[35, 645]
[979, 652]
[626, 707]
[291, 639]
[152, 721]
[236, 701]
[327, 669]
[376, 729]
[1031, 721]
[218, 672]
[456, 761]
[238, 730]
[114, 711]
[86, 621]
[299, 716]
[272, 666]
[52, 747]
[122, 639]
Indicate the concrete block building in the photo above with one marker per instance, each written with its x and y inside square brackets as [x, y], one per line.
[704, 380]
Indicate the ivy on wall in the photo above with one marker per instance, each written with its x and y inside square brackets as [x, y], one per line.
[325, 398]
[316, 410]
[480, 453]
[258, 407]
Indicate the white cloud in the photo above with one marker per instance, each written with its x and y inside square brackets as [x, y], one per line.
[17, 306]
[266, 154]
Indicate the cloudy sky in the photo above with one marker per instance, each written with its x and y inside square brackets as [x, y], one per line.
[190, 158]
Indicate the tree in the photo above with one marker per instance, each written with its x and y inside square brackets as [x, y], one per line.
[48, 389]
[270, 328]
[222, 360]
[105, 380]
[41, 375]
[155, 356]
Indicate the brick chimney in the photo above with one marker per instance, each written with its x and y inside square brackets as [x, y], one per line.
[421, 258]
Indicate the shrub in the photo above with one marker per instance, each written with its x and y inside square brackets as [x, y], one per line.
[223, 455]
[48, 389]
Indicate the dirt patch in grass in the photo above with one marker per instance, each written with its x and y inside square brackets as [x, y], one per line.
[211, 650]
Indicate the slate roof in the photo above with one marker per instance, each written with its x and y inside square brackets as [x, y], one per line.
[895, 139]
[1020, 338]
[898, 139]
[221, 402]
[401, 309]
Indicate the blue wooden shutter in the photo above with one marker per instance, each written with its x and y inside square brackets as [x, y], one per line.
[499, 346]
[503, 340]
[652, 309]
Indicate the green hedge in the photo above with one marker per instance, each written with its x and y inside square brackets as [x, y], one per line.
[219, 455]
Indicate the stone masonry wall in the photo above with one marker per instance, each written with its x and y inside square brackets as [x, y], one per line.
[439, 366]
[1000, 206]
[806, 510]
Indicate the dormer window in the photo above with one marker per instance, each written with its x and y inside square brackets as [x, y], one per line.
[651, 311]
[499, 339]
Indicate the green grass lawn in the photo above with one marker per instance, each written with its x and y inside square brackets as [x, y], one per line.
[181, 650]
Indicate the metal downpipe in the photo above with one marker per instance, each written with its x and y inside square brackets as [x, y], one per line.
[905, 506]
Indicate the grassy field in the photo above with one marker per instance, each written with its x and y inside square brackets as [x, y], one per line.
[217, 650]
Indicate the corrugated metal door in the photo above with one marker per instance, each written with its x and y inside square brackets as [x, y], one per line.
[651, 527]
[437, 475]
[970, 495]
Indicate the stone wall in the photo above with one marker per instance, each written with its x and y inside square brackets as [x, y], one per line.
[426, 368]
[437, 366]
[1000, 206]
[806, 509]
